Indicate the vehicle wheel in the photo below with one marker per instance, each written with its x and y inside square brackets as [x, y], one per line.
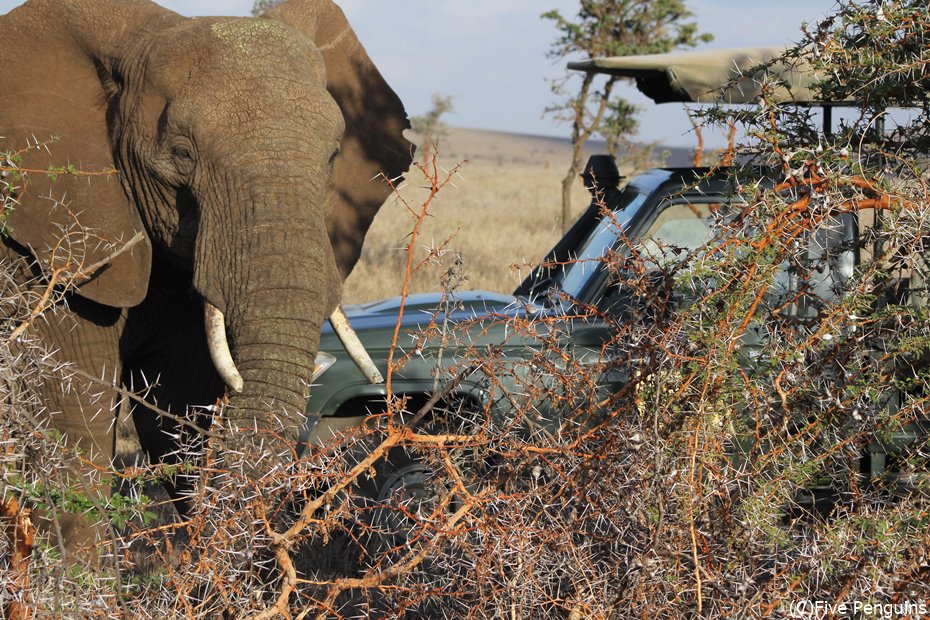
[409, 484]
[406, 492]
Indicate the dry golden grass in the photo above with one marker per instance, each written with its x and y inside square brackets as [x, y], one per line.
[493, 217]
[503, 210]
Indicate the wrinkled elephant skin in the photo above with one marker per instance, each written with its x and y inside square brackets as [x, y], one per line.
[244, 154]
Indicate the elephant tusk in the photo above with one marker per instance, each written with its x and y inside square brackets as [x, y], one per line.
[354, 346]
[219, 347]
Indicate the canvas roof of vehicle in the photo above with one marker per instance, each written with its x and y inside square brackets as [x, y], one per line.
[713, 76]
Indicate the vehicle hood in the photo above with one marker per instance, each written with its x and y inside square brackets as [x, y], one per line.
[421, 308]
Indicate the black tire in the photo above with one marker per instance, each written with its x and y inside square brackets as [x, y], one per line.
[408, 487]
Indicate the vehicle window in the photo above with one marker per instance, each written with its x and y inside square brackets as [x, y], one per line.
[822, 270]
[908, 280]
[681, 227]
[820, 274]
[599, 241]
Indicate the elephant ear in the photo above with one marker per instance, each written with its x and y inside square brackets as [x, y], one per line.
[72, 212]
[373, 144]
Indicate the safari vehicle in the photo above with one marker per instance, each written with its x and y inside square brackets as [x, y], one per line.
[664, 206]
[660, 212]
[343, 396]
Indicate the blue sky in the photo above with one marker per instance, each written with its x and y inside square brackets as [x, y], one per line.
[489, 55]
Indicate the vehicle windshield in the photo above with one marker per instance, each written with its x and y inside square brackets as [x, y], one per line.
[601, 238]
[681, 226]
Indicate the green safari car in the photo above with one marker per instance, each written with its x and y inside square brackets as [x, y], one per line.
[656, 211]
[665, 206]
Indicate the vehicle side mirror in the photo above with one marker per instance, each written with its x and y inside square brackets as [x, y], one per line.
[601, 175]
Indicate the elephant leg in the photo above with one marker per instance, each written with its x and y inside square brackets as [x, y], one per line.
[172, 369]
[86, 335]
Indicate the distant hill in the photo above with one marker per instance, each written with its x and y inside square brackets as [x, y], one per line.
[513, 148]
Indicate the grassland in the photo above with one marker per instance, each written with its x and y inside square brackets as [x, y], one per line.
[501, 215]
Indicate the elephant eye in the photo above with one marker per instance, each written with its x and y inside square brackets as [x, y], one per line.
[182, 152]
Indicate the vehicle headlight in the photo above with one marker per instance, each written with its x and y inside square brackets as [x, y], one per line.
[321, 364]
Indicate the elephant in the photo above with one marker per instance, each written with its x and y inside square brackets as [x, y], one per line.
[218, 178]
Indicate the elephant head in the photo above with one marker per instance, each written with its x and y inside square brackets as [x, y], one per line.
[242, 151]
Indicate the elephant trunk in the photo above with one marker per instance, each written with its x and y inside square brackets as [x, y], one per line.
[268, 278]
[275, 336]
[275, 357]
